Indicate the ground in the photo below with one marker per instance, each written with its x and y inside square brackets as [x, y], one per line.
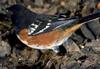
[82, 51]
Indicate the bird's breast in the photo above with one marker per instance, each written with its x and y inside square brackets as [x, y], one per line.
[45, 39]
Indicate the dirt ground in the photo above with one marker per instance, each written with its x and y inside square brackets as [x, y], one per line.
[82, 51]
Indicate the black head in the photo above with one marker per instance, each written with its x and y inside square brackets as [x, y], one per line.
[21, 16]
[16, 8]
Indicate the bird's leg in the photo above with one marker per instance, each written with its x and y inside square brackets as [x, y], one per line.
[56, 49]
[60, 50]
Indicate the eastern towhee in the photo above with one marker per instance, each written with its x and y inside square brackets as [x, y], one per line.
[41, 31]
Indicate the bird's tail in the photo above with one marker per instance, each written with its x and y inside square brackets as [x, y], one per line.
[89, 18]
[76, 25]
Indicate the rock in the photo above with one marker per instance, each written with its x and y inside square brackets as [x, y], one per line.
[3, 67]
[63, 66]
[35, 55]
[94, 26]
[2, 1]
[71, 46]
[73, 66]
[11, 2]
[26, 2]
[77, 38]
[22, 67]
[49, 65]
[39, 3]
[91, 60]
[30, 55]
[95, 45]
[85, 11]
[5, 48]
[57, 66]
[87, 33]
[72, 4]
[88, 5]
[95, 66]
[52, 10]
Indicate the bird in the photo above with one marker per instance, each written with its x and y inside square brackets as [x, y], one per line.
[42, 31]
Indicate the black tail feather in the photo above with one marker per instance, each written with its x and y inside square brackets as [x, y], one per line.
[89, 17]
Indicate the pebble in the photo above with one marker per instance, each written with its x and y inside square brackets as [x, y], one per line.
[87, 33]
[95, 45]
[30, 55]
[94, 26]
[39, 2]
[77, 38]
[2, 1]
[91, 60]
[49, 64]
[5, 48]
[72, 46]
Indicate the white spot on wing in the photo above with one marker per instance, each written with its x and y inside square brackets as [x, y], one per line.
[32, 24]
[47, 27]
[31, 30]
[43, 29]
[49, 24]
[61, 19]
[35, 25]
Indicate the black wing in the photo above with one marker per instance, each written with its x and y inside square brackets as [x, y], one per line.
[47, 26]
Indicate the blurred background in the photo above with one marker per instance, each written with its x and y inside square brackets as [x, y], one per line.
[82, 51]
